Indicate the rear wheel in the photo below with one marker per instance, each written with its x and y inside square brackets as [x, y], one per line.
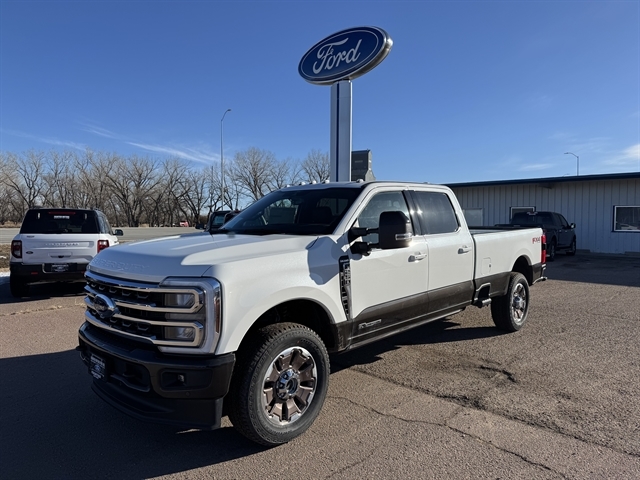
[551, 253]
[279, 384]
[572, 247]
[18, 287]
[510, 311]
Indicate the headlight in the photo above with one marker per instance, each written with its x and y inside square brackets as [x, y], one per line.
[185, 334]
[201, 301]
[179, 300]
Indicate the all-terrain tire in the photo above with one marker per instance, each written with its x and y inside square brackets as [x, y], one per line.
[510, 311]
[572, 248]
[279, 383]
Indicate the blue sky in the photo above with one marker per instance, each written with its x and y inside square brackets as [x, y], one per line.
[471, 90]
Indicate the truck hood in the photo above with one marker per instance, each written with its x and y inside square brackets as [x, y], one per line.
[190, 255]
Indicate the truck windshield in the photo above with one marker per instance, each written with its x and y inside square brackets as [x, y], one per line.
[313, 211]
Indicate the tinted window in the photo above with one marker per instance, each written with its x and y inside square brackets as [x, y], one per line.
[532, 219]
[59, 221]
[313, 211]
[381, 202]
[436, 212]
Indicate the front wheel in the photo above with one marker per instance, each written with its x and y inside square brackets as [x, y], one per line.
[572, 247]
[510, 311]
[279, 383]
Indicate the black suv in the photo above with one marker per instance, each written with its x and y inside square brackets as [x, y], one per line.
[561, 235]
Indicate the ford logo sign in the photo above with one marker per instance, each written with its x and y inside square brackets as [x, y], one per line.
[345, 55]
[104, 306]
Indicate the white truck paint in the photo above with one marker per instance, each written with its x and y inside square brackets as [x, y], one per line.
[176, 326]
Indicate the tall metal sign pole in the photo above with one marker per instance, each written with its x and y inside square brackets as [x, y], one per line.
[222, 157]
[336, 61]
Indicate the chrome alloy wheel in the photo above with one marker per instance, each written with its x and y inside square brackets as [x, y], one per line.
[519, 303]
[289, 385]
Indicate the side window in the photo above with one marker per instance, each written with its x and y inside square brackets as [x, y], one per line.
[436, 212]
[563, 221]
[105, 227]
[381, 202]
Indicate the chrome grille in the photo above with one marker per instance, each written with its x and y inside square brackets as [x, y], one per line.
[145, 312]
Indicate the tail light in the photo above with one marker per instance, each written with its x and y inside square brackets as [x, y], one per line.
[543, 253]
[16, 248]
[102, 244]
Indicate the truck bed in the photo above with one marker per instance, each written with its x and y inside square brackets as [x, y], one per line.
[497, 249]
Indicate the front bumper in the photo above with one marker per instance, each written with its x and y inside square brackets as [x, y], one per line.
[45, 272]
[184, 391]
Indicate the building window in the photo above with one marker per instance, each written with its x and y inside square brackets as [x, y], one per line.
[626, 219]
[473, 216]
[515, 210]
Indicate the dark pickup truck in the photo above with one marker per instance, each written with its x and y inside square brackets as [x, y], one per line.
[561, 235]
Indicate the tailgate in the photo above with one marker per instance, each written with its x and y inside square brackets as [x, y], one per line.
[41, 249]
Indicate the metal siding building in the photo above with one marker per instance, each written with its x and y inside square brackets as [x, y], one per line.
[588, 201]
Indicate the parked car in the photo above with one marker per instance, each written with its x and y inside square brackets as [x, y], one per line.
[561, 235]
[216, 220]
[56, 244]
[242, 320]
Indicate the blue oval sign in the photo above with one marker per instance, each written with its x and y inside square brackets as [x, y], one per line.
[345, 55]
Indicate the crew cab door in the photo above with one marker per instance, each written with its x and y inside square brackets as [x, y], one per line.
[451, 250]
[388, 286]
[565, 232]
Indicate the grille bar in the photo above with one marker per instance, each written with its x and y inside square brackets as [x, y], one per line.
[139, 311]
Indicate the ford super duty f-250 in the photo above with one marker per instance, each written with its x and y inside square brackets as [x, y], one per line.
[178, 328]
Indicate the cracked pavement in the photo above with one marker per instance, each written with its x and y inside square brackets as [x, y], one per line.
[453, 399]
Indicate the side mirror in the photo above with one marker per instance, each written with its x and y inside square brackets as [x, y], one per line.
[199, 226]
[394, 230]
[118, 232]
[572, 225]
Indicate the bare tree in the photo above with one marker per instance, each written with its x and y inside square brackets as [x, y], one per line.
[252, 170]
[316, 167]
[132, 181]
[60, 182]
[25, 178]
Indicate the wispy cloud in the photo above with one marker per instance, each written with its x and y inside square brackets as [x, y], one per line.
[103, 132]
[184, 153]
[47, 140]
[199, 154]
[628, 157]
[536, 166]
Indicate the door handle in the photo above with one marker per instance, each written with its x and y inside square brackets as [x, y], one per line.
[417, 257]
[464, 249]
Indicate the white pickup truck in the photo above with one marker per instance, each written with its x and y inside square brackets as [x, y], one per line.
[179, 327]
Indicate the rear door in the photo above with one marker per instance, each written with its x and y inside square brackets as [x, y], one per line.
[451, 250]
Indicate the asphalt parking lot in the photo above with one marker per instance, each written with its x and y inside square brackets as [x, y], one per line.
[452, 399]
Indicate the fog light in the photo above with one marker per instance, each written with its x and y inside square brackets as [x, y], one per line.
[187, 334]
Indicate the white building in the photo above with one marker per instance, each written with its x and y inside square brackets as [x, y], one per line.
[605, 208]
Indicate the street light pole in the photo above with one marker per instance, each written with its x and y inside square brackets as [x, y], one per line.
[577, 162]
[222, 155]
